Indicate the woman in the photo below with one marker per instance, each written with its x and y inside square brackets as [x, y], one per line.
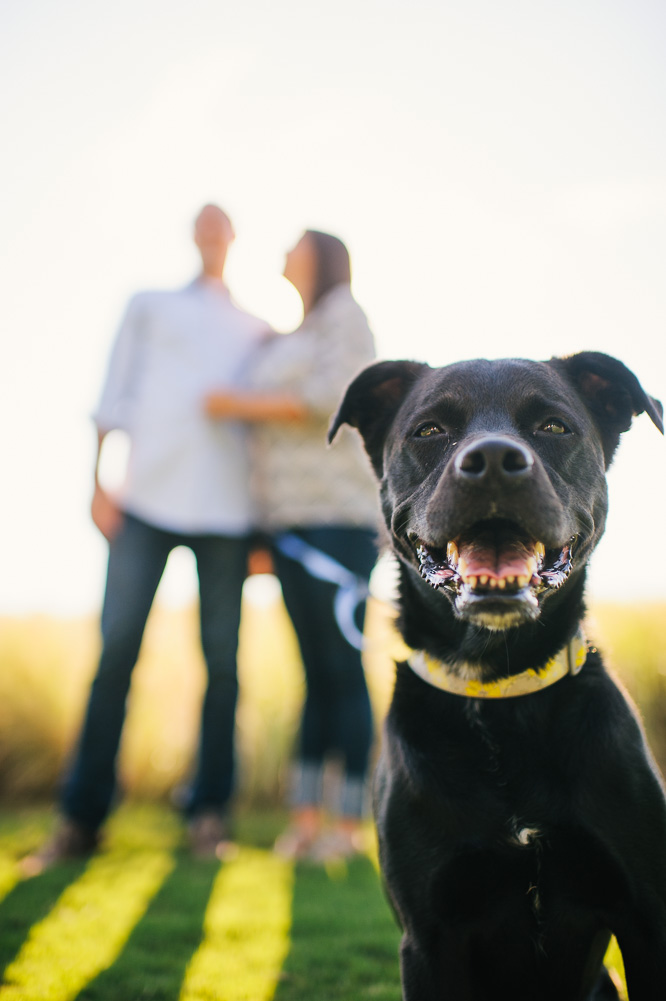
[324, 498]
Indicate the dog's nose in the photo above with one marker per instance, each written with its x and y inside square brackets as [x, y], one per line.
[495, 457]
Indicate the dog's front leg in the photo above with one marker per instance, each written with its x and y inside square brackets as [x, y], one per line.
[417, 975]
[642, 941]
[644, 956]
[431, 974]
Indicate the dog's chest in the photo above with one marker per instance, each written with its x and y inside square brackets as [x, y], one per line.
[507, 876]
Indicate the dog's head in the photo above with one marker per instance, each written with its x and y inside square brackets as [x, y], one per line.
[492, 473]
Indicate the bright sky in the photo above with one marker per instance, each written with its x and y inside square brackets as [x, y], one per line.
[498, 171]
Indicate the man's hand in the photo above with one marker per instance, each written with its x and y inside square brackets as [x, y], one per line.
[259, 561]
[106, 514]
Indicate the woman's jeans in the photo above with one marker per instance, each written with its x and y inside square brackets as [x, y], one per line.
[337, 717]
[137, 558]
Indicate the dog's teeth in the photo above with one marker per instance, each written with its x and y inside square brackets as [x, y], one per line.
[452, 554]
[511, 579]
[493, 582]
[523, 580]
[501, 583]
[540, 551]
[472, 581]
[483, 579]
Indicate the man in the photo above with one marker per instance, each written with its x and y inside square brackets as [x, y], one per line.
[187, 484]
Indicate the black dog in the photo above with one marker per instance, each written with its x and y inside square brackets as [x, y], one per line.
[521, 818]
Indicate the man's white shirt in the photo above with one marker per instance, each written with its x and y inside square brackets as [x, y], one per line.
[186, 472]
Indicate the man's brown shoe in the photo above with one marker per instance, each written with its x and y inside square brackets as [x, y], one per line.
[71, 840]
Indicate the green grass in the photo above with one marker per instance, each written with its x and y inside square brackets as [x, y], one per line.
[142, 920]
[344, 941]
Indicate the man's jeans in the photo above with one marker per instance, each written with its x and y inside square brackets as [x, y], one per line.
[137, 557]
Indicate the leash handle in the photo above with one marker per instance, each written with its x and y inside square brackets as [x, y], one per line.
[351, 589]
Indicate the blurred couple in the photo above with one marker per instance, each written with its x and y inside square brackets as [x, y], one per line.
[227, 426]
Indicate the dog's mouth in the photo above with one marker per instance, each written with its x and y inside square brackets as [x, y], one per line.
[495, 571]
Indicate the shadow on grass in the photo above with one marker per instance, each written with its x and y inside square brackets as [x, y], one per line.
[344, 938]
[152, 965]
[28, 903]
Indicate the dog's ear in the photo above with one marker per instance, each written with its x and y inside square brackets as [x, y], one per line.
[612, 394]
[371, 401]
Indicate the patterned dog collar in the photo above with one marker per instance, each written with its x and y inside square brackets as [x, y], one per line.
[569, 660]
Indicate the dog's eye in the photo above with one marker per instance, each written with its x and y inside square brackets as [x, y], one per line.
[427, 431]
[555, 427]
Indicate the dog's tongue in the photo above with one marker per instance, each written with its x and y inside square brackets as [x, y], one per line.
[495, 554]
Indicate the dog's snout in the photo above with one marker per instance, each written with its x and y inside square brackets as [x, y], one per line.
[496, 457]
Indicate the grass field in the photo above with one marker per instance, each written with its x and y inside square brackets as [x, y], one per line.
[143, 920]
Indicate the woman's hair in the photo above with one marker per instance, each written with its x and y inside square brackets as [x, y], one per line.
[332, 265]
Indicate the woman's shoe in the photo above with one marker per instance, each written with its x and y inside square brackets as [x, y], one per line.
[294, 843]
[336, 845]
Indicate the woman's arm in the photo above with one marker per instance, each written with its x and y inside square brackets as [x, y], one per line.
[256, 407]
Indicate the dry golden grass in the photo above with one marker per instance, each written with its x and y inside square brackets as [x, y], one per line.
[48, 665]
[632, 638]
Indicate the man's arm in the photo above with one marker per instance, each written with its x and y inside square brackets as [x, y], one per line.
[106, 514]
[114, 408]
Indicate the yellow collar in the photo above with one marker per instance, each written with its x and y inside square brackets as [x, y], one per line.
[569, 660]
